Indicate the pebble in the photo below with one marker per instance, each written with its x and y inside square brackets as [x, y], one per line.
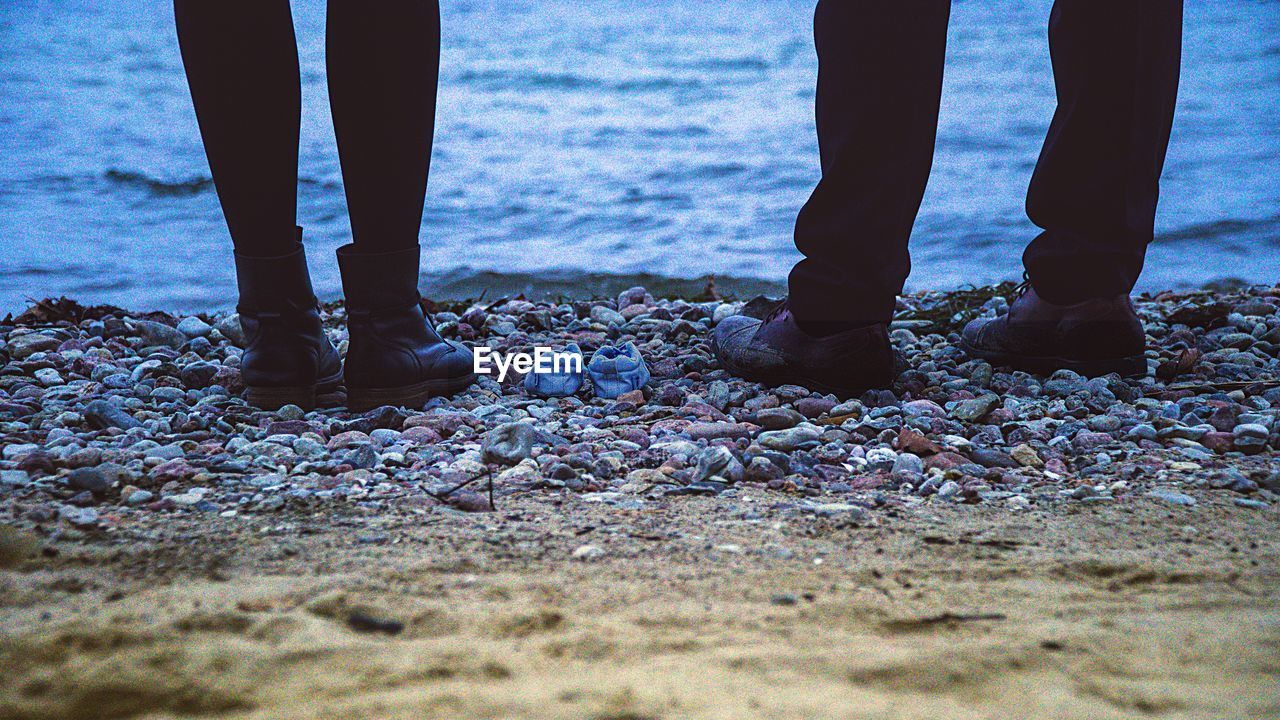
[158, 334]
[96, 480]
[117, 402]
[1173, 498]
[607, 316]
[48, 377]
[789, 439]
[194, 327]
[975, 409]
[102, 415]
[21, 347]
[778, 418]
[948, 490]
[587, 553]
[510, 443]
[81, 517]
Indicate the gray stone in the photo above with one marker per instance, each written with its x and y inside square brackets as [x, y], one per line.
[48, 377]
[908, 464]
[790, 439]
[158, 334]
[194, 327]
[761, 470]
[82, 517]
[881, 459]
[606, 316]
[13, 452]
[510, 443]
[93, 479]
[1173, 498]
[587, 553]
[778, 418]
[718, 461]
[845, 510]
[949, 489]
[22, 347]
[231, 329]
[101, 415]
[1250, 436]
[975, 409]
[140, 497]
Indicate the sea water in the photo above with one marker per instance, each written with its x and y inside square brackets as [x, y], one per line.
[583, 145]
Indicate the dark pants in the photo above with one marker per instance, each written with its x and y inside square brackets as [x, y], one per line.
[1094, 190]
[383, 61]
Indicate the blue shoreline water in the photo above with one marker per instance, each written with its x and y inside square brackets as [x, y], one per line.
[577, 141]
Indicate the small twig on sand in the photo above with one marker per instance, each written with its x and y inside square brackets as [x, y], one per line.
[444, 496]
[959, 617]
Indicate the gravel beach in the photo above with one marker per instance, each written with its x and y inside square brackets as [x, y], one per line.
[972, 543]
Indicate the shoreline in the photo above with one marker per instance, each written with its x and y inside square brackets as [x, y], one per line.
[971, 539]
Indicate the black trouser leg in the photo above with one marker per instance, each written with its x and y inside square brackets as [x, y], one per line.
[241, 60]
[1094, 191]
[384, 63]
[879, 83]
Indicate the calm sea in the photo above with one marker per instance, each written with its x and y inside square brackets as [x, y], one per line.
[583, 143]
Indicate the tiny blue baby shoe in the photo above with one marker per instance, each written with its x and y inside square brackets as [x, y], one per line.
[616, 369]
[562, 382]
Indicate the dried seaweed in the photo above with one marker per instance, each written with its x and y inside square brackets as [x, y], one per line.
[62, 310]
[950, 311]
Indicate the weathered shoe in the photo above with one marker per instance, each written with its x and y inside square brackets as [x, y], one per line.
[1095, 337]
[617, 369]
[395, 357]
[557, 384]
[287, 360]
[776, 351]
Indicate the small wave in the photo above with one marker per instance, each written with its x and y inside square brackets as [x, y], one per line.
[463, 283]
[1218, 229]
[518, 80]
[532, 79]
[711, 171]
[657, 84]
[157, 187]
[750, 64]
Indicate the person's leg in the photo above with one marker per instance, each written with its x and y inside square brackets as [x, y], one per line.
[1095, 186]
[879, 83]
[241, 60]
[880, 66]
[1094, 192]
[384, 62]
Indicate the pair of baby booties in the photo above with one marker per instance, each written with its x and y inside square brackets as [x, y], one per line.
[612, 370]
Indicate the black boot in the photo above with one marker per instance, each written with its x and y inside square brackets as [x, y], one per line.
[396, 357]
[287, 359]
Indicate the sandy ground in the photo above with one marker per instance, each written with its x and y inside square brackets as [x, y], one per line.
[705, 608]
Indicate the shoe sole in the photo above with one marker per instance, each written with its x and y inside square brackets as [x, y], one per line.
[305, 396]
[409, 396]
[1127, 366]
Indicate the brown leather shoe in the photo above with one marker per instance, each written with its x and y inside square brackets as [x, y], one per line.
[776, 351]
[1095, 337]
